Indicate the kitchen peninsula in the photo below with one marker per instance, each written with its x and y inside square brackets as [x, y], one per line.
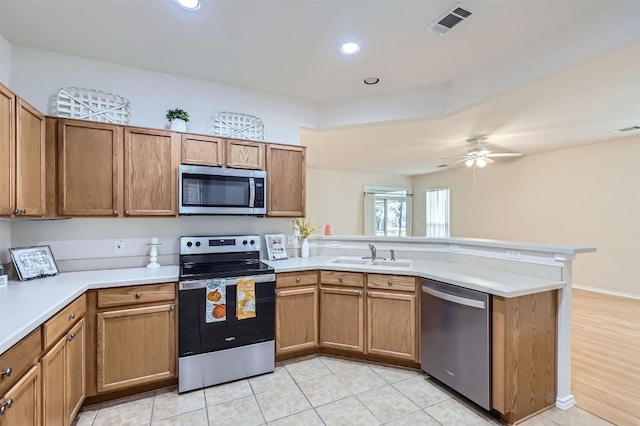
[505, 270]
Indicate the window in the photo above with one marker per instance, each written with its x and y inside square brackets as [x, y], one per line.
[438, 221]
[387, 211]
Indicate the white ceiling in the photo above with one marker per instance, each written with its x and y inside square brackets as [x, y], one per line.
[534, 75]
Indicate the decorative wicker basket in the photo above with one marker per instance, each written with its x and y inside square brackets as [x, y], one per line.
[233, 124]
[93, 105]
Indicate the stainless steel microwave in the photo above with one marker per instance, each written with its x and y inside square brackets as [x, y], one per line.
[216, 190]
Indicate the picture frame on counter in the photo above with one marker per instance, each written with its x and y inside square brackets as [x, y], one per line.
[33, 262]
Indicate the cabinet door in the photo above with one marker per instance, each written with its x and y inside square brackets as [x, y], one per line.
[202, 150]
[30, 160]
[296, 319]
[244, 154]
[24, 408]
[75, 381]
[391, 322]
[135, 346]
[89, 169]
[53, 383]
[286, 169]
[150, 172]
[7, 151]
[342, 318]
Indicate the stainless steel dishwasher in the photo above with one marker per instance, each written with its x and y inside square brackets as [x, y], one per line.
[455, 339]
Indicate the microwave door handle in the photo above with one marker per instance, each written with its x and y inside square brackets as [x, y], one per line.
[252, 191]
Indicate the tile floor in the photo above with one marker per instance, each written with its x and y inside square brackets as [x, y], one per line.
[317, 390]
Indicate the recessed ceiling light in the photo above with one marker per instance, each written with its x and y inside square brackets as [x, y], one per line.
[350, 48]
[371, 80]
[189, 4]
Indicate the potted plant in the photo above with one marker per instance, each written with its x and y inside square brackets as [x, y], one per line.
[302, 227]
[178, 119]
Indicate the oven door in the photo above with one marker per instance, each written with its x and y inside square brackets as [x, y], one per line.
[214, 190]
[197, 336]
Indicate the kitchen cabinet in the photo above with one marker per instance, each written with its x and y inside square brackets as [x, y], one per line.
[22, 157]
[200, 150]
[151, 159]
[135, 336]
[241, 154]
[392, 316]
[342, 311]
[89, 168]
[21, 405]
[296, 311]
[524, 354]
[286, 171]
[63, 365]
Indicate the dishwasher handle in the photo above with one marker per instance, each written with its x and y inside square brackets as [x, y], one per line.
[454, 299]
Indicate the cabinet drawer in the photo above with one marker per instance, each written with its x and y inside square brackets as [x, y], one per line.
[294, 279]
[392, 282]
[351, 279]
[20, 358]
[63, 320]
[136, 295]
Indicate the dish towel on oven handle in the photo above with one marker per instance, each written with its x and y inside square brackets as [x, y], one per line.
[246, 297]
[216, 304]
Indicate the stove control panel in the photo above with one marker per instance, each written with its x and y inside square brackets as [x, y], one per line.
[219, 244]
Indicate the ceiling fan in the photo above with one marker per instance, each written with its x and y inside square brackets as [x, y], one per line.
[480, 156]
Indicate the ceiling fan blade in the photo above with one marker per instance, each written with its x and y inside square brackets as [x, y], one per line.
[504, 154]
[462, 160]
[488, 160]
[455, 157]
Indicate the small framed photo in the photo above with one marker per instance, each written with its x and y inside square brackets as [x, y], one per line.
[33, 262]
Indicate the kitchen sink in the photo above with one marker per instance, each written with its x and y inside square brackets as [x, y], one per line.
[392, 263]
[350, 261]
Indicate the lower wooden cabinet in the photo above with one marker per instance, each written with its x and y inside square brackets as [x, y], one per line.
[342, 318]
[63, 371]
[21, 405]
[296, 319]
[135, 345]
[391, 324]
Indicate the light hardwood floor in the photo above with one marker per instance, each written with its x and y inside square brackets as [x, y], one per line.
[605, 356]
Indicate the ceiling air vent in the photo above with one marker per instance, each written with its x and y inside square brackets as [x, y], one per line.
[450, 19]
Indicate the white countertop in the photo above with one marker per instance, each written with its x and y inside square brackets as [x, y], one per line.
[28, 304]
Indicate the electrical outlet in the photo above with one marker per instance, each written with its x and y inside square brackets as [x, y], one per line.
[334, 244]
[291, 240]
[514, 254]
[454, 248]
[118, 247]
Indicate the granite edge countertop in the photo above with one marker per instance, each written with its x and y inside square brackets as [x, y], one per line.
[25, 305]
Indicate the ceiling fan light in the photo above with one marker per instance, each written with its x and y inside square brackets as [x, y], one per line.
[481, 162]
[469, 162]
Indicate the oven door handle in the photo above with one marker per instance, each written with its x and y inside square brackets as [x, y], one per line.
[192, 285]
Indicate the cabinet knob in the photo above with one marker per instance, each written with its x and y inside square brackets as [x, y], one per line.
[71, 336]
[369, 293]
[115, 212]
[16, 211]
[7, 372]
[126, 212]
[219, 164]
[172, 307]
[277, 294]
[72, 316]
[228, 164]
[297, 279]
[23, 211]
[359, 293]
[3, 408]
[389, 283]
[138, 295]
[340, 278]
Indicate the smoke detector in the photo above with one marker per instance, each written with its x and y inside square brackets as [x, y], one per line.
[450, 19]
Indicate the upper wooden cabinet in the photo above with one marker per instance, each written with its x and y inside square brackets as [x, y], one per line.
[286, 170]
[89, 168]
[151, 159]
[242, 154]
[22, 157]
[200, 150]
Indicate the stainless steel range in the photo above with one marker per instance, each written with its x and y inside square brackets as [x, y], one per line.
[226, 303]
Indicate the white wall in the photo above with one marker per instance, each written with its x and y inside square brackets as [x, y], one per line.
[583, 196]
[336, 197]
[5, 241]
[5, 61]
[37, 76]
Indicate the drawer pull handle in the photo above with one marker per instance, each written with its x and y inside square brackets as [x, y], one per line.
[7, 372]
[297, 279]
[389, 283]
[71, 336]
[138, 295]
[72, 316]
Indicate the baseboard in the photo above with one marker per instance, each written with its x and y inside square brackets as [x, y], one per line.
[607, 292]
[565, 402]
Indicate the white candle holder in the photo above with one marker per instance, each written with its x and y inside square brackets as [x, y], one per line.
[153, 256]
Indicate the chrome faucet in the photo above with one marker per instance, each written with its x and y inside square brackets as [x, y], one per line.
[393, 254]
